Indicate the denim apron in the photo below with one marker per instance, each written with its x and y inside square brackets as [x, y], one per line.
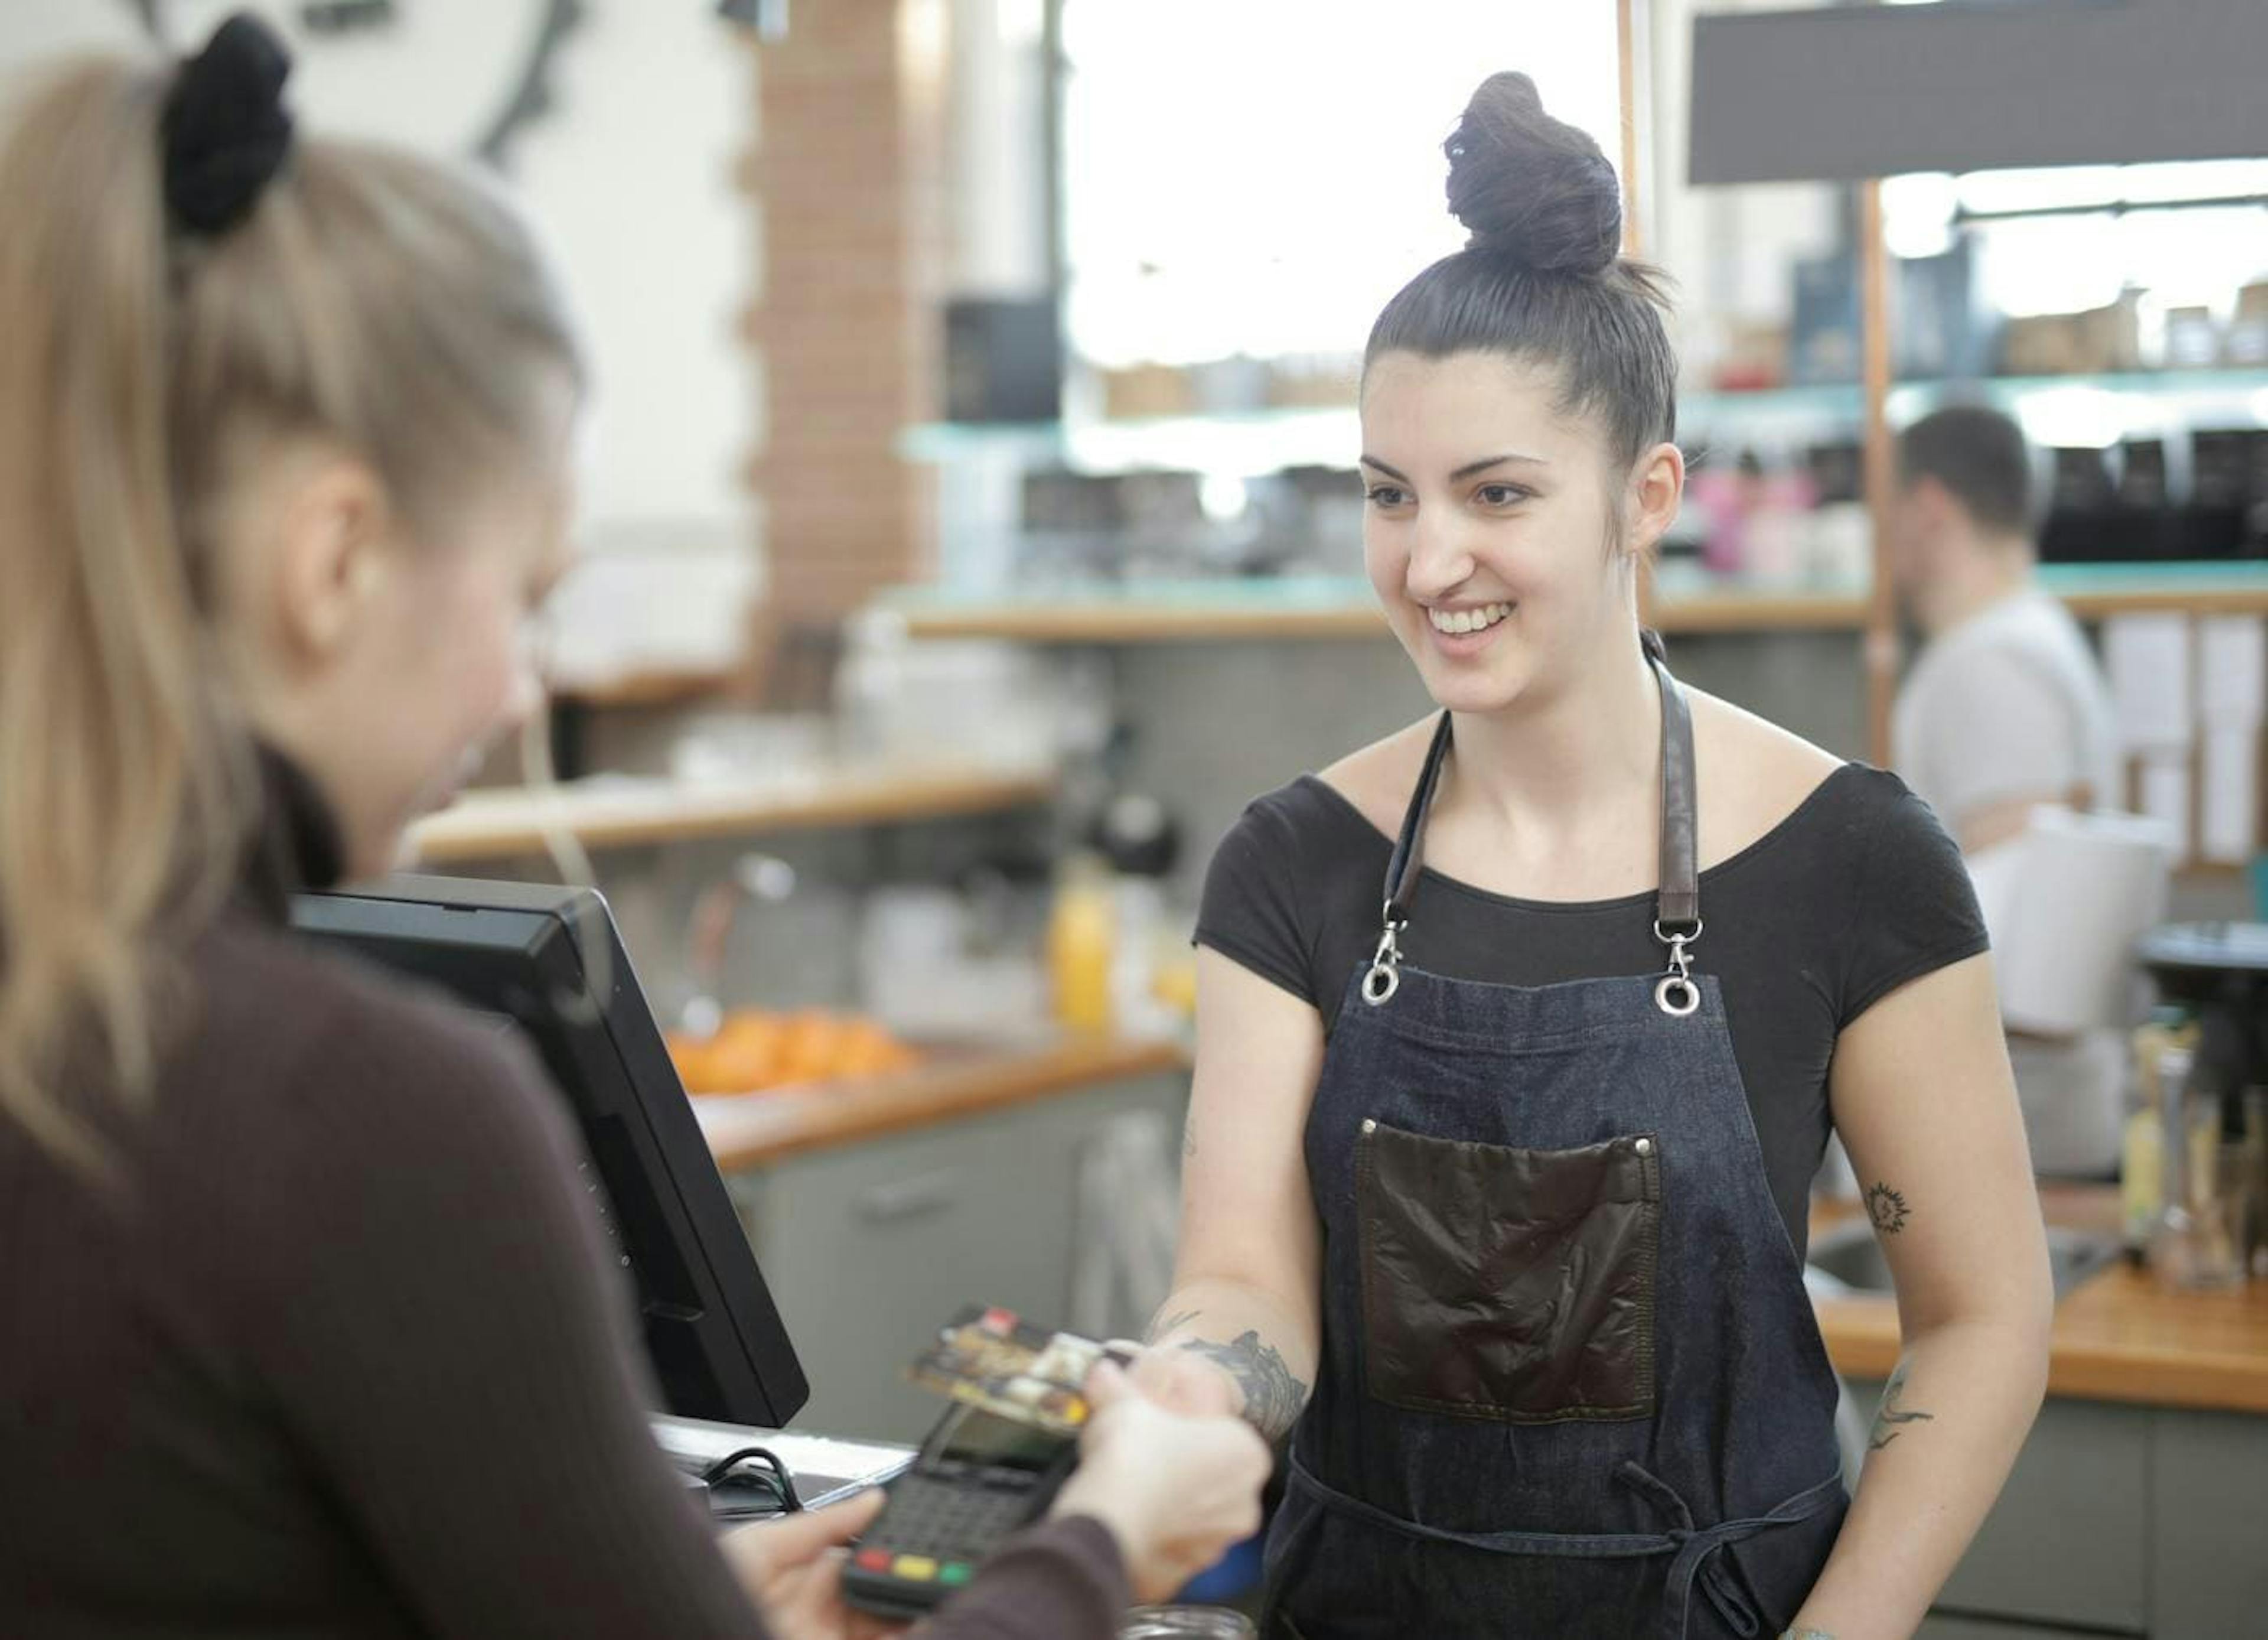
[1570, 1383]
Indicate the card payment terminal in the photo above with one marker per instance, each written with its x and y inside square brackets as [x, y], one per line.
[979, 1478]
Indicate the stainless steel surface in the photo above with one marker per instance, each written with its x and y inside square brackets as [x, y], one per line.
[1850, 1255]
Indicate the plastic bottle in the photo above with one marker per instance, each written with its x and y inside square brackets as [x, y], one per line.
[1083, 946]
[2141, 1176]
[2142, 1151]
[1141, 841]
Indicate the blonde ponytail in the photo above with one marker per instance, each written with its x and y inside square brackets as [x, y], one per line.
[372, 298]
[121, 795]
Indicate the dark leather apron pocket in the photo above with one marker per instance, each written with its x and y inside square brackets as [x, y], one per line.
[1506, 1283]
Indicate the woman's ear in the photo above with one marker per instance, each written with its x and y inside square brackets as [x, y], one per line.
[1657, 488]
[332, 555]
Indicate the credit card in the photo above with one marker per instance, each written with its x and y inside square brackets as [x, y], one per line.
[993, 1358]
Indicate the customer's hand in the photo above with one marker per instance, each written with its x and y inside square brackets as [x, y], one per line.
[1182, 1380]
[792, 1569]
[1175, 1489]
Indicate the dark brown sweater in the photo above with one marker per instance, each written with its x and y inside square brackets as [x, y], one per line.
[351, 1364]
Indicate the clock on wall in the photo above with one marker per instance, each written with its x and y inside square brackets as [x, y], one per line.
[443, 76]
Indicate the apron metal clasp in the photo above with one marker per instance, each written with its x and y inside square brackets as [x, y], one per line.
[1676, 995]
[1385, 976]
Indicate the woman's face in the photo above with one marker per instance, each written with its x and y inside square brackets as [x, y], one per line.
[1488, 529]
[457, 638]
[386, 663]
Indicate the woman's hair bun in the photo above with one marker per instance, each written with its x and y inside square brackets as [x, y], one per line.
[1530, 188]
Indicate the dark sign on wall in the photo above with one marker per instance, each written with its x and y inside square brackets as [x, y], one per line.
[1861, 91]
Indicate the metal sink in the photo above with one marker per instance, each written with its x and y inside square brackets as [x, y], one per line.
[1847, 1258]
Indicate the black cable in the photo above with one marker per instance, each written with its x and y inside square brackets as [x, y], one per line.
[778, 1478]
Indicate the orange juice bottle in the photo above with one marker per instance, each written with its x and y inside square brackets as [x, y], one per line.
[1082, 944]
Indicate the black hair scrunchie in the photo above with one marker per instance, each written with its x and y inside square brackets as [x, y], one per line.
[224, 128]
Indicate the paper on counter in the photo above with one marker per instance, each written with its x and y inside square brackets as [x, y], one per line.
[2148, 655]
[1996, 873]
[2165, 792]
[825, 1468]
[2064, 904]
[2232, 673]
[2228, 796]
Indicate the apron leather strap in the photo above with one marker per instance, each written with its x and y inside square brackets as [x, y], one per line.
[1401, 873]
[1678, 902]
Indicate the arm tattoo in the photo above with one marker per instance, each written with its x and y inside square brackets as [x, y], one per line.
[1888, 1209]
[1189, 1137]
[1892, 1412]
[1272, 1396]
[1171, 1324]
[1807, 1634]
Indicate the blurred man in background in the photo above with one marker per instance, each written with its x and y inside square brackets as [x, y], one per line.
[2004, 709]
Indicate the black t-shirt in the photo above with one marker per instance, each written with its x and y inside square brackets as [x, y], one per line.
[1853, 895]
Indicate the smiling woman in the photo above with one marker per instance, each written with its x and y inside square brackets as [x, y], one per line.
[1520, 1033]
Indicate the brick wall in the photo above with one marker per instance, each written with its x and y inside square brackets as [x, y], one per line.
[847, 174]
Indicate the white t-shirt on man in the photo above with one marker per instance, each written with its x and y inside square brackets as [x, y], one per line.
[2011, 704]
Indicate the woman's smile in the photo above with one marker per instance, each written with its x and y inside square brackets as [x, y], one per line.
[1461, 630]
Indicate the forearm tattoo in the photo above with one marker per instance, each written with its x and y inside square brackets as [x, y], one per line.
[1888, 1209]
[1168, 1326]
[1892, 1414]
[1272, 1396]
[1807, 1634]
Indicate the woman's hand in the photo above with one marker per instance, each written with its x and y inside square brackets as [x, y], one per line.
[1183, 1381]
[1176, 1488]
[793, 1570]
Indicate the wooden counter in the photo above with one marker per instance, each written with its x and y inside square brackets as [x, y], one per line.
[752, 1129]
[498, 824]
[1324, 607]
[635, 691]
[1135, 619]
[2118, 1336]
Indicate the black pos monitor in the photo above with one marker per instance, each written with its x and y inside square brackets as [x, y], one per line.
[517, 950]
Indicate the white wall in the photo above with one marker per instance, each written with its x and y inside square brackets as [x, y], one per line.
[627, 179]
[631, 180]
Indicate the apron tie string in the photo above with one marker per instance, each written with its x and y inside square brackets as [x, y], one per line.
[1695, 1558]
[1690, 1549]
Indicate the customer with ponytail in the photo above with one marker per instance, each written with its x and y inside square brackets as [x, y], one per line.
[306, 1326]
[1520, 1033]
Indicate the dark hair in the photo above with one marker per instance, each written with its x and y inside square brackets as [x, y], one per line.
[1543, 276]
[1978, 454]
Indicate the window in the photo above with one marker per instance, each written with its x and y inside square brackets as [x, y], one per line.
[1258, 176]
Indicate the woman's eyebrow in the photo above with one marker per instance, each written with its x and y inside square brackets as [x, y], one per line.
[1467, 471]
[1510, 457]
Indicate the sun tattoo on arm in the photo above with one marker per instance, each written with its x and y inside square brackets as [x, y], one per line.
[1888, 1209]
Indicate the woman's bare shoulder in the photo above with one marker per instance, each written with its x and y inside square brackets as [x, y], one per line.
[1378, 779]
[1753, 774]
